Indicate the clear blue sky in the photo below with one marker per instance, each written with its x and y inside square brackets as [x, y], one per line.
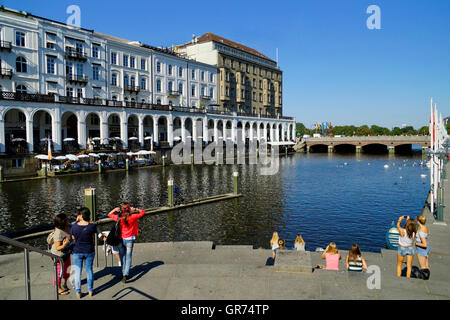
[335, 68]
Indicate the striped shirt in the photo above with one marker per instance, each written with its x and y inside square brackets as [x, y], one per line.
[355, 265]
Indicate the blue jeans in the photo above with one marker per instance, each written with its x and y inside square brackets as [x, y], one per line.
[125, 252]
[77, 259]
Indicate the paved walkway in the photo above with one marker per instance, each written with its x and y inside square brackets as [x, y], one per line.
[198, 270]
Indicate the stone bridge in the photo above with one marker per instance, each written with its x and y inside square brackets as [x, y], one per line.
[361, 144]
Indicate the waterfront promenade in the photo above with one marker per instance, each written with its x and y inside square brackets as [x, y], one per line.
[196, 270]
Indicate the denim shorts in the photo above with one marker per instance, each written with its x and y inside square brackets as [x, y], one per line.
[423, 251]
[403, 251]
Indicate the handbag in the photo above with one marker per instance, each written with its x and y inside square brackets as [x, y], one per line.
[113, 238]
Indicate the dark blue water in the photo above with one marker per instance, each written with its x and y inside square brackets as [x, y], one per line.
[341, 198]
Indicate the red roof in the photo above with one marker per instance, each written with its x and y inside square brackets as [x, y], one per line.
[213, 37]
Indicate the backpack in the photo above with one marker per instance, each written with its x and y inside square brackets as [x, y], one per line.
[113, 238]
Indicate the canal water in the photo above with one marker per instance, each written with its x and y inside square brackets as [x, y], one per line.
[324, 197]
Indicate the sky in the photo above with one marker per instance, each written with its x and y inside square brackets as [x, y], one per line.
[335, 69]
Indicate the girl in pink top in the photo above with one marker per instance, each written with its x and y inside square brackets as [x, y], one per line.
[332, 257]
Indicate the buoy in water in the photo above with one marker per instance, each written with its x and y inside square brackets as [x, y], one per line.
[423, 175]
[392, 236]
[386, 166]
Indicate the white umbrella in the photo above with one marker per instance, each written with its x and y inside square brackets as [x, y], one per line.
[69, 139]
[117, 138]
[177, 139]
[94, 155]
[144, 152]
[72, 157]
[148, 138]
[17, 139]
[41, 156]
[44, 139]
[132, 138]
[96, 138]
[81, 156]
[131, 153]
[60, 158]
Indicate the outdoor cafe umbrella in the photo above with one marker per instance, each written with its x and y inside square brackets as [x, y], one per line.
[69, 139]
[17, 139]
[94, 155]
[132, 138]
[72, 157]
[60, 158]
[41, 157]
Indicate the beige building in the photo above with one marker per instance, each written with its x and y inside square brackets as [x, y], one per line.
[248, 81]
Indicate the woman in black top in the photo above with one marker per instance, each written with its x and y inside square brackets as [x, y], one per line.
[83, 234]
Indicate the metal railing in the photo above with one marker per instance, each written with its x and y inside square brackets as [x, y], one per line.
[27, 248]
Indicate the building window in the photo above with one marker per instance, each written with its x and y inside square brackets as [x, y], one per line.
[52, 87]
[260, 84]
[69, 69]
[158, 67]
[51, 45]
[180, 88]
[132, 62]
[80, 93]
[158, 85]
[180, 71]
[125, 80]
[21, 64]
[193, 90]
[227, 92]
[158, 101]
[20, 39]
[211, 92]
[95, 51]
[132, 81]
[17, 163]
[95, 72]
[143, 64]
[113, 58]
[193, 74]
[260, 97]
[79, 69]
[125, 60]
[143, 84]
[50, 65]
[202, 75]
[114, 79]
[69, 92]
[21, 89]
[170, 69]
[114, 98]
[211, 77]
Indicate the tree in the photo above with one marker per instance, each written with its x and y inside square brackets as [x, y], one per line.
[448, 127]
[396, 131]
[423, 131]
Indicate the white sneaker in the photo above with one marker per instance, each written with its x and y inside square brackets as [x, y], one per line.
[120, 264]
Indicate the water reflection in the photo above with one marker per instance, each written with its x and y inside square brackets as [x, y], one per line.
[325, 197]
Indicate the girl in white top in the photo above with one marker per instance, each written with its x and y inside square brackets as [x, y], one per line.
[406, 245]
[422, 243]
[274, 244]
[299, 244]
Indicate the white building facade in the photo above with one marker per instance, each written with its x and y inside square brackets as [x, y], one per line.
[64, 83]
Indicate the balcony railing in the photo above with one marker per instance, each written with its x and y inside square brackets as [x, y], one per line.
[33, 97]
[51, 98]
[132, 88]
[5, 73]
[77, 78]
[174, 93]
[76, 54]
[5, 45]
